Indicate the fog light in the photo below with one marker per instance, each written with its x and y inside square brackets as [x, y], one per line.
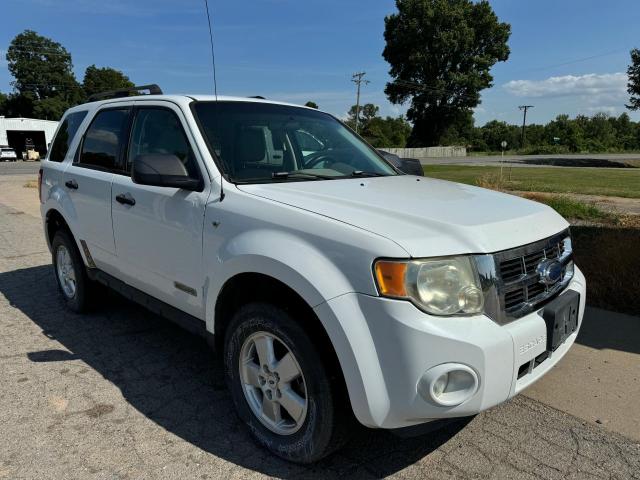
[448, 385]
[440, 385]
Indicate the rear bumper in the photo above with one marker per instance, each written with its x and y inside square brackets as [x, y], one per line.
[386, 346]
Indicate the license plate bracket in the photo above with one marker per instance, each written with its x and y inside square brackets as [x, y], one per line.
[561, 317]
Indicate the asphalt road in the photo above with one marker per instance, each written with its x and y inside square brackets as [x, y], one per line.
[120, 393]
[19, 168]
[572, 160]
[603, 160]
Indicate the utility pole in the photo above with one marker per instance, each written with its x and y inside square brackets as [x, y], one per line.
[524, 121]
[358, 80]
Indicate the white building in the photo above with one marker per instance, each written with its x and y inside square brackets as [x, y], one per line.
[19, 133]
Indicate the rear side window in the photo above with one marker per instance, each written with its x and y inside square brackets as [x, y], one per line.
[65, 135]
[158, 131]
[103, 141]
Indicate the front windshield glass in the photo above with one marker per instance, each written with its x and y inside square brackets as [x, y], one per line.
[261, 142]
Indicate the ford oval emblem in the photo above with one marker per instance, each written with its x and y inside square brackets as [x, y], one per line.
[550, 271]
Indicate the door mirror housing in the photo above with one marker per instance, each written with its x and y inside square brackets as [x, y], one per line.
[163, 170]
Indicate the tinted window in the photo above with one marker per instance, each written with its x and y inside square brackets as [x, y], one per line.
[257, 141]
[102, 142]
[65, 136]
[158, 131]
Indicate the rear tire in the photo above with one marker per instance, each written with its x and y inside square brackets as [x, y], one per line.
[71, 276]
[303, 431]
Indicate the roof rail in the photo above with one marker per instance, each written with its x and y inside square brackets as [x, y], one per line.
[125, 92]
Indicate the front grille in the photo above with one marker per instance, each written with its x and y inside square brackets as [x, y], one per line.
[519, 284]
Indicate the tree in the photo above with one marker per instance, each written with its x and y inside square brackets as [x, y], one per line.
[98, 80]
[440, 53]
[633, 87]
[379, 132]
[42, 70]
[368, 112]
[311, 104]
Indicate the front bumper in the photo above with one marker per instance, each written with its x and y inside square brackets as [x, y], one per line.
[385, 346]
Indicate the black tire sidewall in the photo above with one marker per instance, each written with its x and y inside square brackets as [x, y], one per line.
[312, 441]
[78, 302]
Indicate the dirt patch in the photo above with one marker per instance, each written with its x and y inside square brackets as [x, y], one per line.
[99, 410]
[620, 205]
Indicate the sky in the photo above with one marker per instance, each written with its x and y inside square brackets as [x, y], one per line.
[567, 56]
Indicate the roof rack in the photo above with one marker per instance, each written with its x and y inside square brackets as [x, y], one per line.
[125, 92]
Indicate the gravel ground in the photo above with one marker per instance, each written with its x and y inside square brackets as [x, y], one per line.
[121, 393]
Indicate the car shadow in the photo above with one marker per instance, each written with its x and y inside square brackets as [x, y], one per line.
[173, 378]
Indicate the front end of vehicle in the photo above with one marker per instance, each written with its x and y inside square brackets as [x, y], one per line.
[453, 336]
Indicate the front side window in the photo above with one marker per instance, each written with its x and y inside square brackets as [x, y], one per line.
[65, 135]
[261, 142]
[158, 131]
[104, 139]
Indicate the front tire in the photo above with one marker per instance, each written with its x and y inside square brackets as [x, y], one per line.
[280, 386]
[71, 276]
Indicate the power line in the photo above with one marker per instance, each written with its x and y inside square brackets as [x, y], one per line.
[357, 78]
[571, 62]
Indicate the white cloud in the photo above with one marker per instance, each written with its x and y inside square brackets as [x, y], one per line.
[592, 85]
[608, 109]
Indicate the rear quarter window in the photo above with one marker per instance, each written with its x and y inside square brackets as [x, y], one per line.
[65, 135]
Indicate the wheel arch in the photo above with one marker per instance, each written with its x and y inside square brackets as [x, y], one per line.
[251, 287]
[54, 221]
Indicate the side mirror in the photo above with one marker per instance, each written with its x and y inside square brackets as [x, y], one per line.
[163, 170]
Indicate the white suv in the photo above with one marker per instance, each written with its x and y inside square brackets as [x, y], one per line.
[334, 285]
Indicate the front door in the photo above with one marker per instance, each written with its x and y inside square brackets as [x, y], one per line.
[158, 230]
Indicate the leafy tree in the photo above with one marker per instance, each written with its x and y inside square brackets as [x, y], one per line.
[387, 132]
[367, 113]
[633, 87]
[311, 104]
[98, 80]
[42, 70]
[599, 133]
[441, 52]
[379, 132]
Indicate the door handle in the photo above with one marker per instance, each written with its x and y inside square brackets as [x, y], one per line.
[72, 184]
[125, 199]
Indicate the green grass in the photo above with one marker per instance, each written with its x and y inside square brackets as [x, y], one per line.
[618, 182]
[574, 209]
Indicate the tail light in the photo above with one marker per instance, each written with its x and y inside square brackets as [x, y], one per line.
[40, 185]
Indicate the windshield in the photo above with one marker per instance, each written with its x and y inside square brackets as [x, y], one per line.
[261, 142]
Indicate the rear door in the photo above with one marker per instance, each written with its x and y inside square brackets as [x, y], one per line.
[88, 181]
[159, 238]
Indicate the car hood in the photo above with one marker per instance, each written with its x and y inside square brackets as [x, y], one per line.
[427, 217]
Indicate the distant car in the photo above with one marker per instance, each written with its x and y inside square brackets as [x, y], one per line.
[8, 154]
[410, 166]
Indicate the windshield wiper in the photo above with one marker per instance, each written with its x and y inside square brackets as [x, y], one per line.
[360, 173]
[285, 175]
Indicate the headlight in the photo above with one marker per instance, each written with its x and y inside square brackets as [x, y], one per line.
[439, 286]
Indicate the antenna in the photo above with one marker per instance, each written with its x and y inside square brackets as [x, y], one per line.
[213, 55]
[215, 82]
